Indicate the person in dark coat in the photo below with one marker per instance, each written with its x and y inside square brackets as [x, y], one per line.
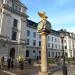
[29, 60]
[2, 60]
[8, 62]
[11, 62]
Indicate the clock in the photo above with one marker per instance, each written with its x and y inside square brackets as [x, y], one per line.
[40, 26]
[44, 26]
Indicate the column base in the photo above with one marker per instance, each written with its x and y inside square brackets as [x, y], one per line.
[43, 73]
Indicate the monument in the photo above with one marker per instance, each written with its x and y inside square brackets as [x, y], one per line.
[44, 28]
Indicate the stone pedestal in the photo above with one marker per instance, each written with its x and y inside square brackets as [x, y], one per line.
[43, 73]
[44, 63]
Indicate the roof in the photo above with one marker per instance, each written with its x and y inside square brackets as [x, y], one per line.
[32, 24]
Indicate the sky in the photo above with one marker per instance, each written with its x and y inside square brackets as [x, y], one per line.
[61, 13]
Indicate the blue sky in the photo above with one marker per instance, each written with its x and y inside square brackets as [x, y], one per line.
[61, 13]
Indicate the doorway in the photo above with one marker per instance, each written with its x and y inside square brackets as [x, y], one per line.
[12, 53]
[27, 53]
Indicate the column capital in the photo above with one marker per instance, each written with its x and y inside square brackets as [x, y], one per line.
[43, 33]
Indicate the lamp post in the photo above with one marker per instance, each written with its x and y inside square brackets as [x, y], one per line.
[62, 34]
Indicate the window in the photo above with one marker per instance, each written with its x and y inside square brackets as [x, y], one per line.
[27, 41]
[52, 38]
[56, 46]
[55, 39]
[39, 43]
[48, 38]
[59, 53]
[52, 45]
[34, 42]
[14, 34]
[39, 52]
[52, 54]
[65, 47]
[15, 23]
[0, 19]
[49, 54]
[27, 53]
[58, 40]
[66, 54]
[28, 33]
[34, 34]
[22, 9]
[16, 7]
[64, 41]
[59, 46]
[56, 54]
[33, 51]
[48, 44]
[39, 36]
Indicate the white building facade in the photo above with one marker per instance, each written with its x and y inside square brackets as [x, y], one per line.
[54, 45]
[33, 47]
[69, 44]
[12, 25]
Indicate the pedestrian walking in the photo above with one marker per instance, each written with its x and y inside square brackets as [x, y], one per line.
[8, 62]
[11, 62]
[2, 61]
[21, 62]
[37, 58]
[29, 60]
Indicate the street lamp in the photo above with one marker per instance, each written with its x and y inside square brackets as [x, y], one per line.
[62, 35]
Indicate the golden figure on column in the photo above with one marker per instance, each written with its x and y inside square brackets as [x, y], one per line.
[43, 25]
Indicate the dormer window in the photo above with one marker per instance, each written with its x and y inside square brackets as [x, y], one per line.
[17, 7]
[22, 9]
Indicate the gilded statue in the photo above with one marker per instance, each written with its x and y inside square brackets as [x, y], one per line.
[43, 25]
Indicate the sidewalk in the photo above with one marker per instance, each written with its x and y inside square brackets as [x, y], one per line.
[70, 71]
[35, 68]
[28, 70]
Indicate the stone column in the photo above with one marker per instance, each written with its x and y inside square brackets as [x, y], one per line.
[44, 63]
[44, 28]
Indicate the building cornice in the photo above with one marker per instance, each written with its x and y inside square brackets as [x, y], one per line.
[14, 11]
[23, 5]
[18, 1]
[33, 47]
